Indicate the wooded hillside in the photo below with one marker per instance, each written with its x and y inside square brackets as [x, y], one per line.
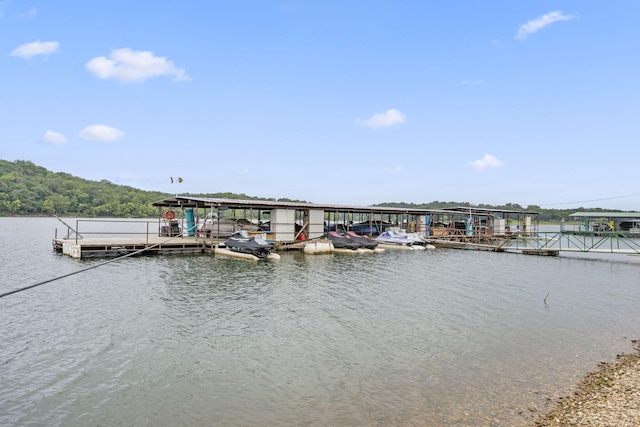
[30, 190]
[27, 189]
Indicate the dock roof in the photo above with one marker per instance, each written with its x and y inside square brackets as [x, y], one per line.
[213, 203]
[489, 211]
[207, 202]
[605, 215]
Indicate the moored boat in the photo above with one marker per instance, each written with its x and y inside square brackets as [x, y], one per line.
[364, 241]
[403, 239]
[391, 237]
[342, 242]
[414, 237]
[241, 242]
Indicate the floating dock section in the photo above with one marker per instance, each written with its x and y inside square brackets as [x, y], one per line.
[112, 247]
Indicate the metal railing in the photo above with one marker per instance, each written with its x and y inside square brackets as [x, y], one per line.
[111, 228]
[614, 242]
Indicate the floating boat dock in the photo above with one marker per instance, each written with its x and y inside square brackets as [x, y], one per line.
[189, 225]
[200, 225]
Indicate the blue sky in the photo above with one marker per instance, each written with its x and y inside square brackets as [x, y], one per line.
[347, 102]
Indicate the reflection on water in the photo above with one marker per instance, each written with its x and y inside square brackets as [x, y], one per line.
[440, 337]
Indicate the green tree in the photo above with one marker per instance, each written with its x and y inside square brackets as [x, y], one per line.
[15, 206]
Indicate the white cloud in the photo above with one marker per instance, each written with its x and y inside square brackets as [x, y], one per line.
[51, 137]
[129, 65]
[100, 133]
[28, 50]
[488, 161]
[537, 24]
[389, 118]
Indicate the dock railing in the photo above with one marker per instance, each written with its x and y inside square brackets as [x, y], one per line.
[598, 242]
[613, 242]
[106, 228]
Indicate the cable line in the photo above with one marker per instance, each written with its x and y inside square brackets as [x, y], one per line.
[587, 201]
[15, 291]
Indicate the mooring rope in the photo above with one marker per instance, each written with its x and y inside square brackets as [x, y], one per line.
[15, 291]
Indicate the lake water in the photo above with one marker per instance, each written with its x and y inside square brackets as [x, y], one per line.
[421, 338]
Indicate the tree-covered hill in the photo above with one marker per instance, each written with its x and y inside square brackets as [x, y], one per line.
[30, 190]
[27, 189]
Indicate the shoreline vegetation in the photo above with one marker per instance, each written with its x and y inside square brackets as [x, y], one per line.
[30, 190]
[608, 396]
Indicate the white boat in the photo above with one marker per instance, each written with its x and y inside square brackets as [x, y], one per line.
[402, 238]
[212, 226]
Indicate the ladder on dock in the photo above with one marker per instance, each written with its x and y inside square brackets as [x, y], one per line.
[70, 230]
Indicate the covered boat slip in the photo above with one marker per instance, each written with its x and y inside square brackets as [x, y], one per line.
[625, 223]
[196, 225]
[519, 232]
[291, 224]
[480, 224]
[288, 222]
[484, 229]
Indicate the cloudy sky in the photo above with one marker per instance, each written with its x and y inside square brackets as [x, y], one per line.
[356, 102]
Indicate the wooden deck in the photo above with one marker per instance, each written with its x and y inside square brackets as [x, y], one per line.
[118, 246]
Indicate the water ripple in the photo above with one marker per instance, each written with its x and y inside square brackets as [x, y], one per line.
[438, 337]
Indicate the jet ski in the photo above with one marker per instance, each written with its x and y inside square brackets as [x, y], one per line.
[416, 238]
[404, 239]
[342, 242]
[390, 237]
[254, 245]
[364, 241]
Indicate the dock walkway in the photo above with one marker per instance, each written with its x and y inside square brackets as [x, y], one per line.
[117, 246]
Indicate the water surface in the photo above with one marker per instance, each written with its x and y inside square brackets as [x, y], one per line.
[444, 337]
